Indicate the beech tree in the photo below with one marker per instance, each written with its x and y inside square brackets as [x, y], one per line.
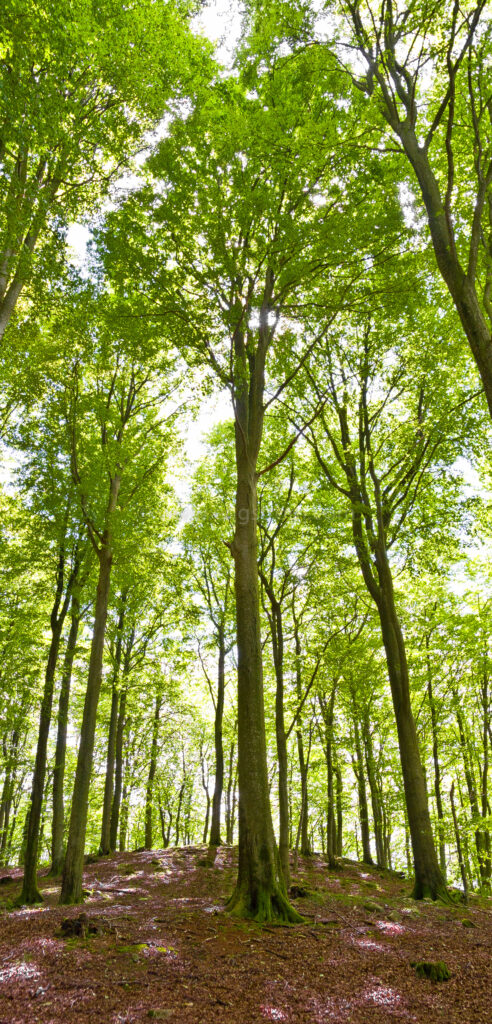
[80, 86]
[204, 538]
[112, 432]
[381, 480]
[256, 229]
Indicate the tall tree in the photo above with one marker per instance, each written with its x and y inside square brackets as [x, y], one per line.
[250, 237]
[116, 431]
[381, 480]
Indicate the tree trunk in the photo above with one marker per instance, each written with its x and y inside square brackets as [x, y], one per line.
[178, 813]
[230, 783]
[461, 861]
[259, 889]
[105, 845]
[327, 710]
[215, 839]
[149, 793]
[437, 766]
[71, 891]
[277, 634]
[461, 286]
[30, 893]
[429, 880]
[303, 762]
[480, 840]
[361, 792]
[8, 792]
[165, 829]
[58, 819]
[125, 807]
[119, 766]
[338, 771]
[374, 791]
[486, 866]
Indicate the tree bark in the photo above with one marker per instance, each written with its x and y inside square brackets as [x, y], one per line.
[259, 889]
[8, 793]
[30, 892]
[303, 762]
[461, 285]
[327, 710]
[71, 891]
[125, 807]
[105, 844]
[229, 807]
[486, 866]
[178, 813]
[338, 772]
[215, 839]
[277, 637]
[149, 792]
[374, 791]
[480, 838]
[437, 766]
[429, 880]
[58, 819]
[120, 736]
[358, 763]
[459, 851]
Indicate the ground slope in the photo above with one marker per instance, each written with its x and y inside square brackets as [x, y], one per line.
[165, 950]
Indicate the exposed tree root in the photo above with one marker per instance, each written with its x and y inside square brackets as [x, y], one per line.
[436, 891]
[30, 899]
[264, 907]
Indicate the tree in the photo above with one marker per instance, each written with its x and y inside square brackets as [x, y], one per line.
[381, 481]
[80, 86]
[204, 537]
[236, 265]
[443, 130]
[115, 431]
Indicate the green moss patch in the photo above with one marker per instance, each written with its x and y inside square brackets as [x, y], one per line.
[432, 970]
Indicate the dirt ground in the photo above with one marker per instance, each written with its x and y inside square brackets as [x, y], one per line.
[166, 950]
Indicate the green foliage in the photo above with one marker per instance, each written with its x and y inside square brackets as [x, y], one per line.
[275, 207]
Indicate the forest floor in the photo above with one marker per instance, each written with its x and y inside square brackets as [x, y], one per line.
[165, 950]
